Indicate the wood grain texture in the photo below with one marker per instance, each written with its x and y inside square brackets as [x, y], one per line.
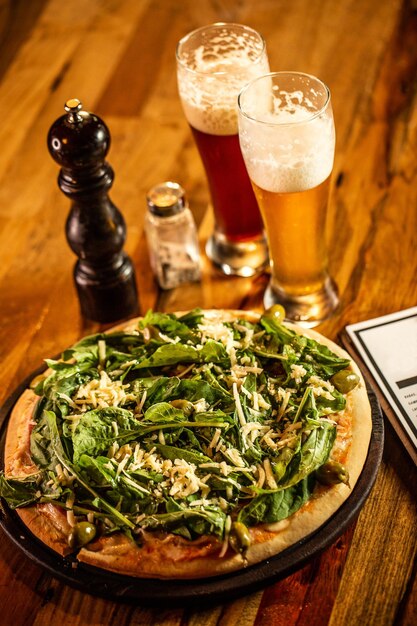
[295, 599]
[118, 57]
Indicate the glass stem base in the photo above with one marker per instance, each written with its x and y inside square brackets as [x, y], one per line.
[308, 310]
[238, 258]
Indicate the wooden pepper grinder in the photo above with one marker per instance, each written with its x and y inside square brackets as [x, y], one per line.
[95, 229]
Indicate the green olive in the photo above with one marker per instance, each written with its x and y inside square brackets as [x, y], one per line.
[345, 380]
[276, 313]
[332, 473]
[281, 461]
[239, 537]
[183, 405]
[81, 534]
[285, 455]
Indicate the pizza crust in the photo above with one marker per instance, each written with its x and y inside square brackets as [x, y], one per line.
[49, 524]
[170, 556]
[17, 460]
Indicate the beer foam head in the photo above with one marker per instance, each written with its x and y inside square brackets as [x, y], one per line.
[286, 136]
[214, 63]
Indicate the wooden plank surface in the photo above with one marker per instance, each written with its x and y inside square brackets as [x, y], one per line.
[117, 56]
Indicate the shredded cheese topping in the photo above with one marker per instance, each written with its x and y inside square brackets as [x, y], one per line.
[101, 393]
[240, 447]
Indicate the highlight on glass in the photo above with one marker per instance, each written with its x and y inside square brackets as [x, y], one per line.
[213, 64]
[287, 137]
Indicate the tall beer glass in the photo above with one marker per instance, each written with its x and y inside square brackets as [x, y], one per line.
[213, 64]
[287, 137]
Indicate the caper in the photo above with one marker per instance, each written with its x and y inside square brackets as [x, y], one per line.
[81, 534]
[276, 312]
[345, 380]
[239, 537]
[183, 405]
[332, 473]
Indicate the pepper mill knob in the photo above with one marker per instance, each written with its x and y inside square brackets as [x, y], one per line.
[73, 106]
[104, 275]
[77, 141]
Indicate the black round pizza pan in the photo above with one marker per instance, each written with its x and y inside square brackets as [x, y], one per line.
[153, 592]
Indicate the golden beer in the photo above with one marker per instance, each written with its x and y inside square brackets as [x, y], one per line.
[295, 225]
[286, 133]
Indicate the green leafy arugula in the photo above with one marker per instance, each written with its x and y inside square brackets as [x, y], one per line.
[181, 413]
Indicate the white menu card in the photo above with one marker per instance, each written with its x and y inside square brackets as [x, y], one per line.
[387, 346]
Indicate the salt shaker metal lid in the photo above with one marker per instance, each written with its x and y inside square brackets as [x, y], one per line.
[166, 199]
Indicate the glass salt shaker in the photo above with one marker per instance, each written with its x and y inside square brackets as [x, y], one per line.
[172, 236]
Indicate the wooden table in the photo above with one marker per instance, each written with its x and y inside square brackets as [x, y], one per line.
[117, 56]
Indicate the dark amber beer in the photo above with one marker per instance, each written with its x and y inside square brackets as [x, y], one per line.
[235, 207]
[213, 64]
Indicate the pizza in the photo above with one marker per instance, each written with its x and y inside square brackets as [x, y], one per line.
[187, 445]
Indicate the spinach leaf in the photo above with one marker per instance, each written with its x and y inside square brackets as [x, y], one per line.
[40, 444]
[171, 354]
[338, 404]
[116, 339]
[204, 420]
[208, 375]
[273, 506]
[99, 469]
[198, 521]
[19, 492]
[98, 501]
[172, 453]
[167, 322]
[213, 352]
[192, 318]
[120, 347]
[267, 352]
[282, 333]
[173, 326]
[63, 382]
[52, 441]
[158, 390]
[163, 412]
[313, 453]
[325, 362]
[119, 489]
[216, 419]
[194, 390]
[98, 429]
